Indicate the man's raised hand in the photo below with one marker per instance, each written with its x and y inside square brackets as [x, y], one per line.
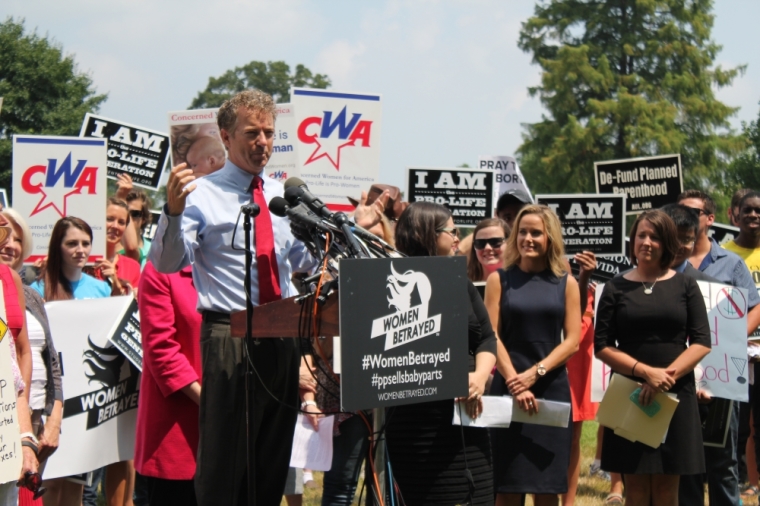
[178, 188]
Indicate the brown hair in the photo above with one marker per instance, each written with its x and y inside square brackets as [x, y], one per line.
[418, 228]
[474, 269]
[253, 100]
[146, 205]
[665, 228]
[555, 248]
[707, 200]
[57, 287]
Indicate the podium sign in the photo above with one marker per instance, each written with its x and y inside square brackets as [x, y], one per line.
[403, 331]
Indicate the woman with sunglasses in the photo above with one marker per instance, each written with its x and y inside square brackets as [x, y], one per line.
[21, 365]
[488, 249]
[120, 271]
[535, 307]
[429, 455]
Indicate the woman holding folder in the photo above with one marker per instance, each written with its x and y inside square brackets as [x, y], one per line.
[532, 304]
[643, 322]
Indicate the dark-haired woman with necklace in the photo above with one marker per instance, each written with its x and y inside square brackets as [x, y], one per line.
[430, 458]
[644, 320]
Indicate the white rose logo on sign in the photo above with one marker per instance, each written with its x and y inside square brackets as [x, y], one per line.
[408, 323]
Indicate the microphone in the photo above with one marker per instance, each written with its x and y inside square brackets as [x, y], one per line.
[298, 213]
[250, 209]
[296, 188]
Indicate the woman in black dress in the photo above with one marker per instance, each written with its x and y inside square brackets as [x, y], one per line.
[643, 322]
[433, 461]
[533, 303]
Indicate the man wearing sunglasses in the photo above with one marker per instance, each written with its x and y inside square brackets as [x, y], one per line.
[728, 268]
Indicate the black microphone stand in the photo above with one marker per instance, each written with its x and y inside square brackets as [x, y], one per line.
[249, 211]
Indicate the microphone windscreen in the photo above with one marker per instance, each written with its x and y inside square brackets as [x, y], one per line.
[294, 181]
[278, 206]
[293, 195]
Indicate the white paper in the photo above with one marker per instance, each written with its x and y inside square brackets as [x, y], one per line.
[312, 449]
[551, 413]
[497, 412]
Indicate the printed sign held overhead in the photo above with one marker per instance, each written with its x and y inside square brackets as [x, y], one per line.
[649, 183]
[337, 142]
[55, 177]
[195, 140]
[401, 340]
[507, 175]
[590, 222]
[468, 193]
[139, 152]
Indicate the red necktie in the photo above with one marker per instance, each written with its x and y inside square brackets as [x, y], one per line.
[266, 260]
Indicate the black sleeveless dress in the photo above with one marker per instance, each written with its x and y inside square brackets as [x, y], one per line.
[429, 456]
[531, 458]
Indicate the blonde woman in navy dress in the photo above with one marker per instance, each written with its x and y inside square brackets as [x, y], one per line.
[532, 304]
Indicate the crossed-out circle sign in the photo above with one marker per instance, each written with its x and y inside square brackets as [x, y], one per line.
[731, 303]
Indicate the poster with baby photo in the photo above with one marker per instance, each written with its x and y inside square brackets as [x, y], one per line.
[195, 140]
[136, 151]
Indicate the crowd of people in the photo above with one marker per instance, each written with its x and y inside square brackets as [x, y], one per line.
[532, 335]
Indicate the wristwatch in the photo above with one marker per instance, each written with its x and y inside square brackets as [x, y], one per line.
[540, 370]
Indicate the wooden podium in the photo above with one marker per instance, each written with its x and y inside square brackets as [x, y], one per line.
[283, 317]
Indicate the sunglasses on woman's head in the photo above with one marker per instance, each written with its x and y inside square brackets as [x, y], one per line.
[135, 213]
[494, 242]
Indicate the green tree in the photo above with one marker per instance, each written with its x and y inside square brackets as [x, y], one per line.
[273, 77]
[43, 91]
[621, 79]
[744, 170]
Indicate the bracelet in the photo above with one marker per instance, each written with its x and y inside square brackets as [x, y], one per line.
[633, 369]
[30, 436]
[31, 445]
[308, 403]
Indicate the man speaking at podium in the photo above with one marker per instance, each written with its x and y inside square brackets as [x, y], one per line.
[198, 226]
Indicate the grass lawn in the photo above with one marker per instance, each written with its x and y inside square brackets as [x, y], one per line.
[591, 490]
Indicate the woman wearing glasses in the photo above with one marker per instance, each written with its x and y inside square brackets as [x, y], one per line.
[120, 271]
[535, 307]
[429, 456]
[488, 249]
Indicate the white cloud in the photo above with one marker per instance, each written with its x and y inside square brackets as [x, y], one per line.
[339, 61]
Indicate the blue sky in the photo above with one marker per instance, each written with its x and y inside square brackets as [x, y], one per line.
[453, 81]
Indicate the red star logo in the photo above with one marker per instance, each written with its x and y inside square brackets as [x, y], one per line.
[62, 212]
[335, 161]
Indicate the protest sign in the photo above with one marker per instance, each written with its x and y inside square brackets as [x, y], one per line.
[337, 143]
[507, 175]
[99, 384]
[284, 161]
[55, 177]
[195, 140]
[401, 327]
[648, 182]
[724, 372]
[722, 233]
[606, 267]
[10, 434]
[150, 230]
[590, 222]
[128, 338]
[467, 193]
[136, 151]
[4, 197]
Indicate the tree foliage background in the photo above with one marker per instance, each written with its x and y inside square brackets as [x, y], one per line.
[622, 79]
[274, 78]
[43, 91]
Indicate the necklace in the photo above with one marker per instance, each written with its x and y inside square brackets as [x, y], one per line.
[648, 290]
